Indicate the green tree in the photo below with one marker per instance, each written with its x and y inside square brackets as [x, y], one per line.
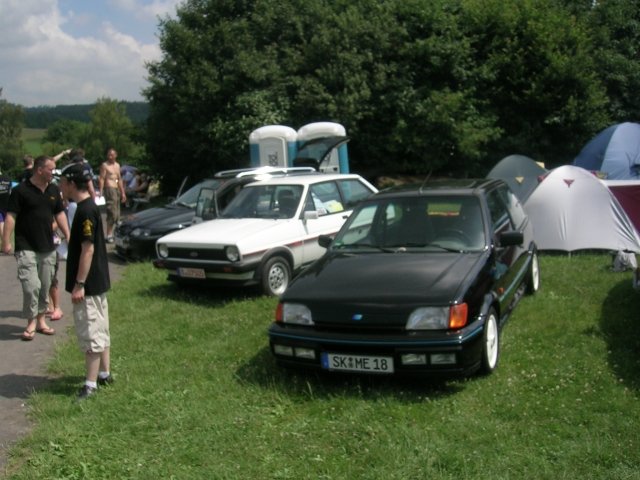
[110, 126]
[615, 27]
[535, 72]
[64, 134]
[11, 124]
[436, 86]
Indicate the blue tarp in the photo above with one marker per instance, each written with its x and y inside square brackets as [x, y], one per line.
[615, 151]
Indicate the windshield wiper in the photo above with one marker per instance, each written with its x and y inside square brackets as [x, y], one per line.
[363, 245]
[447, 249]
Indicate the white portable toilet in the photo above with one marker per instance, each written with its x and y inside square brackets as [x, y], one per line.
[273, 146]
[339, 158]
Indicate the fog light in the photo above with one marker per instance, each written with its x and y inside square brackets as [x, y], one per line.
[283, 350]
[414, 359]
[308, 353]
[442, 358]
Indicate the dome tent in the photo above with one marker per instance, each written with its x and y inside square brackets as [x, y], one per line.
[521, 174]
[614, 151]
[573, 210]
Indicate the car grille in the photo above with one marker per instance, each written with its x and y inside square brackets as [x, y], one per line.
[197, 254]
[344, 318]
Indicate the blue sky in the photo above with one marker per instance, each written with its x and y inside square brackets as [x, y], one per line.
[63, 52]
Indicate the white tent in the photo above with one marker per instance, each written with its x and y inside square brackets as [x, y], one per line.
[572, 210]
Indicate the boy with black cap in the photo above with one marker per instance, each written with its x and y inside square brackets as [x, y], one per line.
[88, 279]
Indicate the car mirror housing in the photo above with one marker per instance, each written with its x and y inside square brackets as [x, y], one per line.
[311, 215]
[325, 241]
[508, 239]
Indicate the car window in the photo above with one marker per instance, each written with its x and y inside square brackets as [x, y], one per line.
[515, 208]
[206, 207]
[265, 201]
[498, 210]
[352, 192]
[324, 198]
[190, 197]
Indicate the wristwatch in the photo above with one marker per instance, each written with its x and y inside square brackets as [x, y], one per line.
[79, 284]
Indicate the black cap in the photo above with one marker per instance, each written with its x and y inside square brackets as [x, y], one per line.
[75, 172]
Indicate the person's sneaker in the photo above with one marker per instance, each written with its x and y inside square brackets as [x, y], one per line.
[110, 240]
[85, 392]
[105, 381]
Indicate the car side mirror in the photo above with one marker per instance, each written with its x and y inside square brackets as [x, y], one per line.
[508, 239]
[311, 215]
[325, 241]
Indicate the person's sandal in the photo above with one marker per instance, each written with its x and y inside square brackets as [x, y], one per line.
[28, 335]
[46, 331]
[56, 315]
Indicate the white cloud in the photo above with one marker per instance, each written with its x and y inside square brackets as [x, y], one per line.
[43, 64]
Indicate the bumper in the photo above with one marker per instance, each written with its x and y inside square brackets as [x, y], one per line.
[446, 354]
[142, 248]
[221, 273]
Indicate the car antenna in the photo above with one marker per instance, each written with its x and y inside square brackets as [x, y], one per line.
[426, 179]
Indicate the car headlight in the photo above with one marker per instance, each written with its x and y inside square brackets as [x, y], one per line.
[438, 318]
[295, 313]
[140, 232]
[163, 250]
[232, 253]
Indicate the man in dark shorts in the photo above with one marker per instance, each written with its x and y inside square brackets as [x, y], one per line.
[88, 279]
[33, 205]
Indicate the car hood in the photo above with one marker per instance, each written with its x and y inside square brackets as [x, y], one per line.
[241, 232]
[169, 217]
[390, 279]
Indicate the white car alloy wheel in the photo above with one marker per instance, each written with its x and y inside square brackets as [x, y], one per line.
[533, 280]
[276, 275]
[491, 343]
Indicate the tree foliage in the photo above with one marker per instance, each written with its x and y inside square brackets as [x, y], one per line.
[11, 124]
[442, 86]
[108, 126]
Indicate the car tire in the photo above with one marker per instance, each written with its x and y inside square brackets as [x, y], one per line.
[533, 275]
[276, 275]
[490, 344]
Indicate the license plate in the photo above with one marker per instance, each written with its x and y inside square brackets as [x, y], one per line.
[191, 273]
[357, 363]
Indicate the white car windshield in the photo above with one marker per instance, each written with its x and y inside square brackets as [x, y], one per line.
[265, 201]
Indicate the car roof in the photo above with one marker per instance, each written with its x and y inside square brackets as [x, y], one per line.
[266, 170]
[466, 186]
[306, 179]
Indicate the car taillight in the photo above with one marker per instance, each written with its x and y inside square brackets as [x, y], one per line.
[279, 313]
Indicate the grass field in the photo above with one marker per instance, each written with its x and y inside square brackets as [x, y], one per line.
[32, 138]
[198, 396]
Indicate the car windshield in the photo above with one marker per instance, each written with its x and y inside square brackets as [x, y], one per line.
[190, 197]
[265, 201]
[435, 223]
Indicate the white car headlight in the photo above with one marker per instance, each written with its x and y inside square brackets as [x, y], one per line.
[232, 253]
[438, 318]
[296, 313]
[163, 250]
[428, 318]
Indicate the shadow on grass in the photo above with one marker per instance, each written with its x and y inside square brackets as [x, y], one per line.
[620, 324]
[262, 370]
[200, 294]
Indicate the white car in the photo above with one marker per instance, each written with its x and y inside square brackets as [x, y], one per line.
[268, 232]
